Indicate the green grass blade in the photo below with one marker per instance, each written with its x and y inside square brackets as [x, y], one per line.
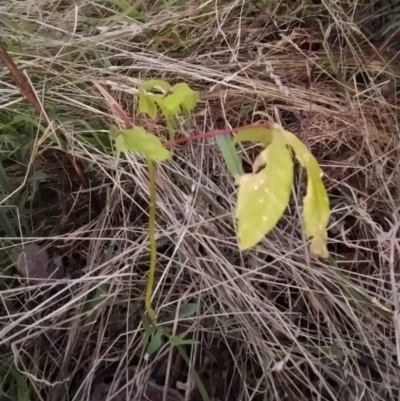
[230, 155]
[4, 181]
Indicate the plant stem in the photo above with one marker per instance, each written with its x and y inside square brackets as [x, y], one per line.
[152, 240]
[212, 134]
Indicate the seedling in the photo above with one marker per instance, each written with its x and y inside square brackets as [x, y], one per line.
[263, 195]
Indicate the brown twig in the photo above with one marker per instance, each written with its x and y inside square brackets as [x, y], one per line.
[27, 91]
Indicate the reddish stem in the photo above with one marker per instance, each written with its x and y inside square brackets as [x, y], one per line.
[217, 132]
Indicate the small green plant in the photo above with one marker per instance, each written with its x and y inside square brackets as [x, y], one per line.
[158, 335]
[154, 96]
[263, 195]
[157, 95]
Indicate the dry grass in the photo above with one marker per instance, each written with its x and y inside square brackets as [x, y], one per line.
[272, 323]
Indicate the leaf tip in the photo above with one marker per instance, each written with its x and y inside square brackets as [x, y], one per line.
[319, 246]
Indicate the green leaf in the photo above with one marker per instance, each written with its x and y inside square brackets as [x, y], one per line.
[170, 100]
[120, 144]
[316, 213]
[138, 140]
[264, 196]
[316, 208]
[188, 96]
[230, 155]
[176, 341]
[155, 343]
[181, 98]
[172, 103]
[187, 310]
[256, 135]
[155, 84]
[147, 106]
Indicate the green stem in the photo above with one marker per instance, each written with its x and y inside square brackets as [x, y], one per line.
[152, 271]
[152, 240]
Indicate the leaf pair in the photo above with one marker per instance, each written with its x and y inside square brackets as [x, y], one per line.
[138, 140]
[171, 100]
[157, 341]
[264, 195]
[156, 336]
